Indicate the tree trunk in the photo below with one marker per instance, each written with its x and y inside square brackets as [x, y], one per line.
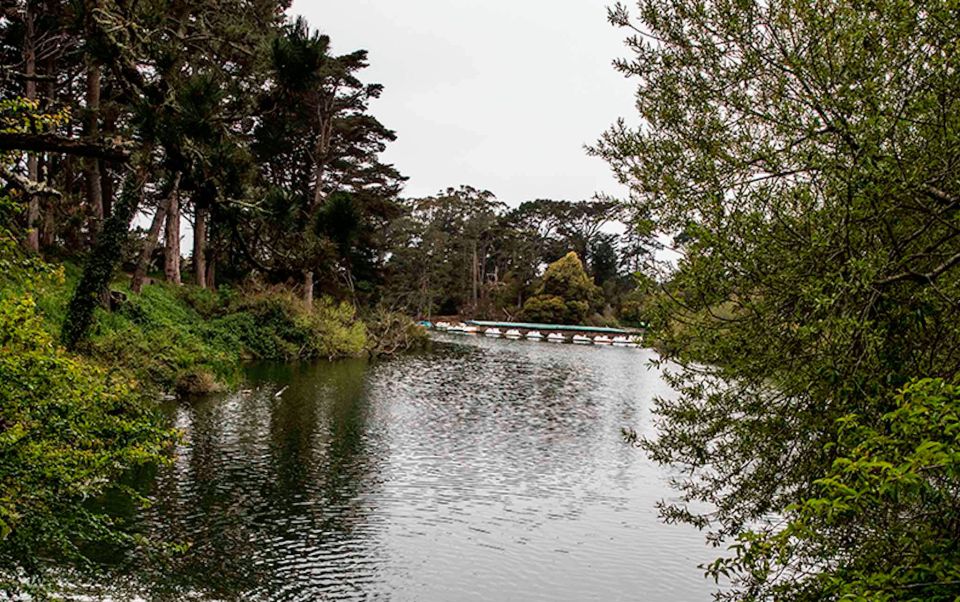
[212, 248]
[91, 168]
[474, 276]
[149, 245]
[49, 223]
[318, 191]
[308, 289]
[30, 92]
[199, 245]
[108, 131]
[321, 151]
[212, 272]
[171, 262]
[69, 230]
[101, 263]
[33, 210]
[51, 163]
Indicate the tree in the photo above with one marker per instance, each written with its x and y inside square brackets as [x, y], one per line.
[566, 294]
[444, 251]
[101, 263]
[315, 138]
[805, 152]
[565, 226]
[606, 263]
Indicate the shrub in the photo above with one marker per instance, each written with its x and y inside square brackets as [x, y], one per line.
[566, 294]
[275, 325]
[162, 338]
[548, 309]
[196, 382]
[266, 325]
[331, 330]
[204, 301]
[883, 522]
[391, 332]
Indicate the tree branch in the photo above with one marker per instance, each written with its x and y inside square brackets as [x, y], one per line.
[921, 278]
[42, 143]
[27, 185]
[941, 196]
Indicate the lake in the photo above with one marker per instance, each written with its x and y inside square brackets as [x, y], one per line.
[485, 470]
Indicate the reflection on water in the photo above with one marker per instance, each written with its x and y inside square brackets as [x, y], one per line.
[489, 471]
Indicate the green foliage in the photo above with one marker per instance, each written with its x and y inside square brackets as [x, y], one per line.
[638, 307]
[548, 309]
[462, 251]
[206, 302]
[331, 330]
[566, 294]
[193, 340]
[23, 115]
[69, 429]
[442, 250]
[266, 325]
[164, 340]
[801, 156]
[882, 524]
[275, 326]
[566, 278]
[328, 195]
[392, 332]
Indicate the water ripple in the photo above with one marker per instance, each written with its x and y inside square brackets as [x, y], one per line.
[492, 470]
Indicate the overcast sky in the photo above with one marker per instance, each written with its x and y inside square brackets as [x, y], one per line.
[497, 94]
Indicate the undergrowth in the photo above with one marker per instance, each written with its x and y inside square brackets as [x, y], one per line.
[192, 340]
[70, 428]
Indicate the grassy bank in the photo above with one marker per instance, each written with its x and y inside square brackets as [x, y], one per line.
[191, 340]
[70, 427]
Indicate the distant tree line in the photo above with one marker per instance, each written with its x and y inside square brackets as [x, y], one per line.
[464, 252]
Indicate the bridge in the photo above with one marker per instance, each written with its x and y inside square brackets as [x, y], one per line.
[525, 327]
[619, 337]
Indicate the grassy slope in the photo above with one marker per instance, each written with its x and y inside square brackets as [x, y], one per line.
[193, 340]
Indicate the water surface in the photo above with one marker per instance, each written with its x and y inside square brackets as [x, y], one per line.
[493, 470]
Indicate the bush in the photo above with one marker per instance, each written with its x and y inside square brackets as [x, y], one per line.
[883, 523]
[196, 382]
[547, 309]
[566, 294]
[162, 339]
[204, 301]
[266, 325]
[637, 308]
[392, 332]
[193, 340]
[331, 330]
[275, 325]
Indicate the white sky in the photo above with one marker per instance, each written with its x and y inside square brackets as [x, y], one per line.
[497, 94]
